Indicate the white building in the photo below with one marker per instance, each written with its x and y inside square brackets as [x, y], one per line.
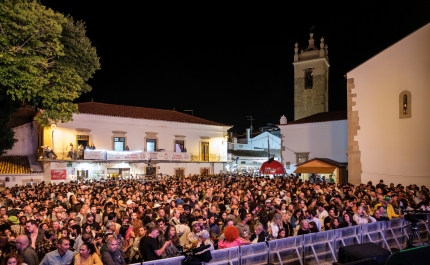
[248, 152]
[322, 135]
[388, 114]
[160, 142]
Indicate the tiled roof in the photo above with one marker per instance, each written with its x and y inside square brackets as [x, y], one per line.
[113, 110]
[22, 116]
[14, 165]
[321, 117]
[326, 160]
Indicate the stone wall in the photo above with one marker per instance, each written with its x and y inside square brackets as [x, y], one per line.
[310, 101]
[354, 153]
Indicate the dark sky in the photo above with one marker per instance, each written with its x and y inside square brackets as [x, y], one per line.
[227, 62]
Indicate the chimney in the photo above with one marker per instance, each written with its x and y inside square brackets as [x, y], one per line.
[248, 135]
[283, 120]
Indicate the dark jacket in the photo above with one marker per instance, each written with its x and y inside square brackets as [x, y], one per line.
[40, 236]
[113, 258]
[29, 256]
[261, 237]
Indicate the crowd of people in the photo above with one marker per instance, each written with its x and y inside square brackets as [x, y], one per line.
[125, 221]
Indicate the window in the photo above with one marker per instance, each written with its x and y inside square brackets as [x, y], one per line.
[204, 151]
[287, 165]
[179, 146]
[118, 143]
[309, 78]
[302, 157]
[151, 145]
[405, 108]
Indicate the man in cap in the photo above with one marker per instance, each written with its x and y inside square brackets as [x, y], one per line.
[192, 237]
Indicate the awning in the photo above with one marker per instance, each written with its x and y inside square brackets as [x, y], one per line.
[304, 169]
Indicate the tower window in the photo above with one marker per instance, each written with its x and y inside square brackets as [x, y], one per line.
[405, 107]
[309, 78]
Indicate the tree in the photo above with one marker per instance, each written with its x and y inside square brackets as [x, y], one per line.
[45, 59]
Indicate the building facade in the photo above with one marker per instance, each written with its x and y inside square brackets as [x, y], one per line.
[388, 114]
[130, 142]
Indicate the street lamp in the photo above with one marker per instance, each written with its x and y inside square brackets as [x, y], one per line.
[53, 127]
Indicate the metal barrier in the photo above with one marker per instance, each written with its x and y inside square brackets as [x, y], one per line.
[374, 232]
[315, 248]
[168, 261]
[346, 237]
[286, 251]
[228, 256]
[394, 233]
[254, 254]
[319, 247]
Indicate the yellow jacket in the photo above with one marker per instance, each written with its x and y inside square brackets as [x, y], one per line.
[390, 210]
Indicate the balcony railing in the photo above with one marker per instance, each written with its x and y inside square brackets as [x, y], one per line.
[62, 154]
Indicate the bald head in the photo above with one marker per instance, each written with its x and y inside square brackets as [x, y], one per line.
[21, 242]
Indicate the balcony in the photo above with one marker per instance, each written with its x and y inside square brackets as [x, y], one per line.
[137, 156]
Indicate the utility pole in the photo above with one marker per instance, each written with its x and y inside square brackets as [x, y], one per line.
[250, 119]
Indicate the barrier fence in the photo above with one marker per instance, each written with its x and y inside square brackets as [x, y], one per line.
[316, 248]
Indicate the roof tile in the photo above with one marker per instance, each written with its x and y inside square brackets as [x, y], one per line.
[114, 110]
[14, 165]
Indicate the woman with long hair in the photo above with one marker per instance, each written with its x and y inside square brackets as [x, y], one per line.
[346, 222]
[137, 234]
[171, 250]
[87, 255]
[296, 218]
[286, 225]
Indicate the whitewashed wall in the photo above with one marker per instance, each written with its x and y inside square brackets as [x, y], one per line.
[393, 149]
[27, 140]
[320, 139]
[101, 133]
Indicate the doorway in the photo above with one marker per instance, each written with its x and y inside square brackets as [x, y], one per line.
[151, 171]
[204, 151]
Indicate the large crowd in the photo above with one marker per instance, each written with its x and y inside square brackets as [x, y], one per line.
[125, 221]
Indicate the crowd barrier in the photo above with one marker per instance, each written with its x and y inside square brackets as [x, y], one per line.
[315, 248]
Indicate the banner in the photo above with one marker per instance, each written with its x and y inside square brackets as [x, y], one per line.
[58, 174]
[125, 155]
[94, 154]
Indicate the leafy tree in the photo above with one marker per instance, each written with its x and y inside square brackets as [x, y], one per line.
[45, 59]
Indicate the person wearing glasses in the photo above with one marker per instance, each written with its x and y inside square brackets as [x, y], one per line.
[87, 255]
[25, 251]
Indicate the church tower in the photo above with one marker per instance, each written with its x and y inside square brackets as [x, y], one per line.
[310, 79]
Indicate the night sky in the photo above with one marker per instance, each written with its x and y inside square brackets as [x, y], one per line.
[227, 62]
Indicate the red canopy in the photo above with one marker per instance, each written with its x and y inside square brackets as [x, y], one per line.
[274, 168]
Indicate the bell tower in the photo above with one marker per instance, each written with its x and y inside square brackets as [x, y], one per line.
[310, 79]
